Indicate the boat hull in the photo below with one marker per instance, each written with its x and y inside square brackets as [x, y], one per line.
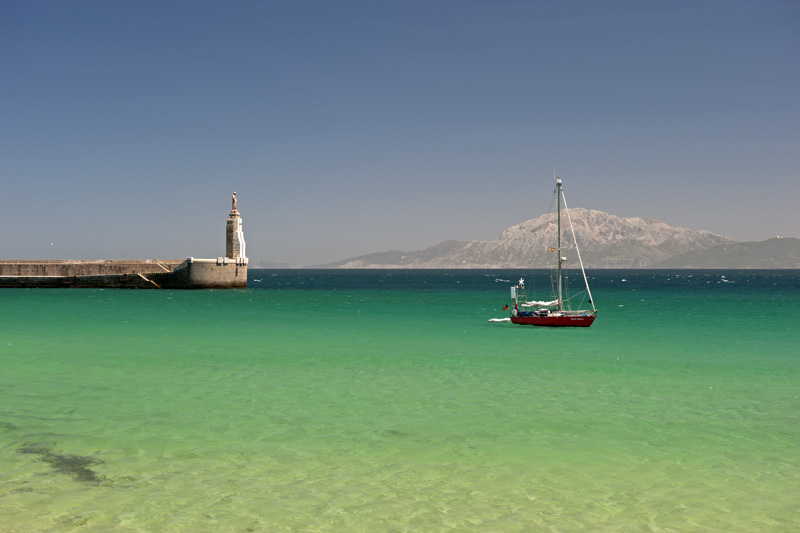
[580, 321]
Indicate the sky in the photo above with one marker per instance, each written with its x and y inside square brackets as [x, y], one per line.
[358, 126]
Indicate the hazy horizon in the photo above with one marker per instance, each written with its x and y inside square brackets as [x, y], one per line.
[352, 127]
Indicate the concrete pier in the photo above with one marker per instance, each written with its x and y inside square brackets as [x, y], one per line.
[227, 272]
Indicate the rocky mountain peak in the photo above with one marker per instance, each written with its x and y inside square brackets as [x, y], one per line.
[605, 240]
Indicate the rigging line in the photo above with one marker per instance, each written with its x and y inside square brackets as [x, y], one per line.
[586, 281]
[551, 206]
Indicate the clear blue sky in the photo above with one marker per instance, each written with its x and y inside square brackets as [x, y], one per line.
[351, 127]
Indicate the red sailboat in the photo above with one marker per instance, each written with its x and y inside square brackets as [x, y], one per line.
[558, 310]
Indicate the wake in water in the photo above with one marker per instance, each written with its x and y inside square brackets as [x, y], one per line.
[499, 320]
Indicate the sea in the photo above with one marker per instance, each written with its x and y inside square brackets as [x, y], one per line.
[385, 400]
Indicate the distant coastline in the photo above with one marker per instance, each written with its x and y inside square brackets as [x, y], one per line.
[772, 254]
[606, 241]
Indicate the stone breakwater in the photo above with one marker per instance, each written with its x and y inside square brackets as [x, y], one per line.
[219, 273]
[227, 272]
[72, 267]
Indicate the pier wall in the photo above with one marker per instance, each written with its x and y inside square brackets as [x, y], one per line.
[69, 268]
[220, 273]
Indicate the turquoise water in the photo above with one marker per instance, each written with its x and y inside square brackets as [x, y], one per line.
[385, 401]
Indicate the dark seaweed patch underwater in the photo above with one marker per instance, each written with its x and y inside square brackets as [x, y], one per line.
[76, 466]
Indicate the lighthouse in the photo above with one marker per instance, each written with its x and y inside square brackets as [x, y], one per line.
[234, 236]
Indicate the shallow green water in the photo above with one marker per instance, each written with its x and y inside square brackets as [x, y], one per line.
[385, 401]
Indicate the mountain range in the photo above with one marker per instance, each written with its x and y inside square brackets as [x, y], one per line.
[605, 240]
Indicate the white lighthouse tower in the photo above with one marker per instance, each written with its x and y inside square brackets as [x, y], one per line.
[235, 247]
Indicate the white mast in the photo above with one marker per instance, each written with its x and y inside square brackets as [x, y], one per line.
[558, 201]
